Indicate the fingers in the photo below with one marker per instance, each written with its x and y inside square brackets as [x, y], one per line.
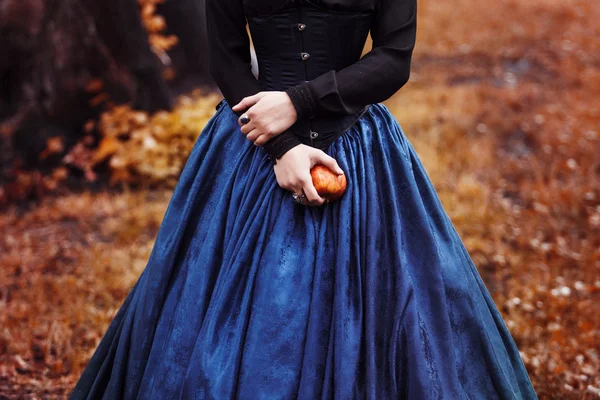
[248, 102]
[305, 186]
[329, 162]
[254, 135]
[305, 201]
[298, 189]
[249, 114]
[311, 193]
[247, 128]
[261, 139]
[251, 134]
[293, 173]
[256, 132]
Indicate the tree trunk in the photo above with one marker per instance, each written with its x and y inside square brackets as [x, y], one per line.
[186, 19]
[50, 51]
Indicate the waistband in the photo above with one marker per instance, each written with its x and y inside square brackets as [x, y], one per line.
[316, 139]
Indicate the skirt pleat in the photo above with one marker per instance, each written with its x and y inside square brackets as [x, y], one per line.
[248, 295]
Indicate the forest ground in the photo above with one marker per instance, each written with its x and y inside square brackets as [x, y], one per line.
[502, 108]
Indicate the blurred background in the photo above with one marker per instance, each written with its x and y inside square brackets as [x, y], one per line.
[101, 103]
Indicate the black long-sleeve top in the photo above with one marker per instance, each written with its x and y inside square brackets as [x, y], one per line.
[374, 78]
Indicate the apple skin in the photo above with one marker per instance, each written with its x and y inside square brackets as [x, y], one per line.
[329, 185]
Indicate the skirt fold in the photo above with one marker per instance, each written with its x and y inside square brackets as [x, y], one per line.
[248, 295]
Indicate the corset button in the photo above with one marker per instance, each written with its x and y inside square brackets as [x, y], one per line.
[304, 56]
[301, 27]
[313, 134]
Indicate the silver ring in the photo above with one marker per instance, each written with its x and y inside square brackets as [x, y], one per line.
[244, 119]
[299, 198]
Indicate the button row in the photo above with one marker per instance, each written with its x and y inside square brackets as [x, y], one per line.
[304, 56]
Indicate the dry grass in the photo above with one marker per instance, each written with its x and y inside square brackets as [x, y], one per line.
[502, 108]
[504, 113]
[67, 264]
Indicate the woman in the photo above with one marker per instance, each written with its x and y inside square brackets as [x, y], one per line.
[256, 287]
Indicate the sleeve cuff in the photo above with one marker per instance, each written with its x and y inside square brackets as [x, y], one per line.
[276, 147]
[303, 99]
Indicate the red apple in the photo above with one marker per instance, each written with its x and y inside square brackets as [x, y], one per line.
[329, 185]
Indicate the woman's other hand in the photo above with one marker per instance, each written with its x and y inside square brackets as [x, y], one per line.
[270, 113]
[292, 170]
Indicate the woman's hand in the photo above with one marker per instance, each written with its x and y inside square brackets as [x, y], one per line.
[293, 170]
[270, 113]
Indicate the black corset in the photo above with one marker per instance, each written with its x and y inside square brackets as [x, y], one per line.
[297, 44]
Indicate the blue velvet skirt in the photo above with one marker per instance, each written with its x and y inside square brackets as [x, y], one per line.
[248, 295]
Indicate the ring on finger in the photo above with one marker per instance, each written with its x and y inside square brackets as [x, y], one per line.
[300, 198]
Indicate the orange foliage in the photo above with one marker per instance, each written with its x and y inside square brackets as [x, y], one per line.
[152, 148]
[156, 25]
[502, 108]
